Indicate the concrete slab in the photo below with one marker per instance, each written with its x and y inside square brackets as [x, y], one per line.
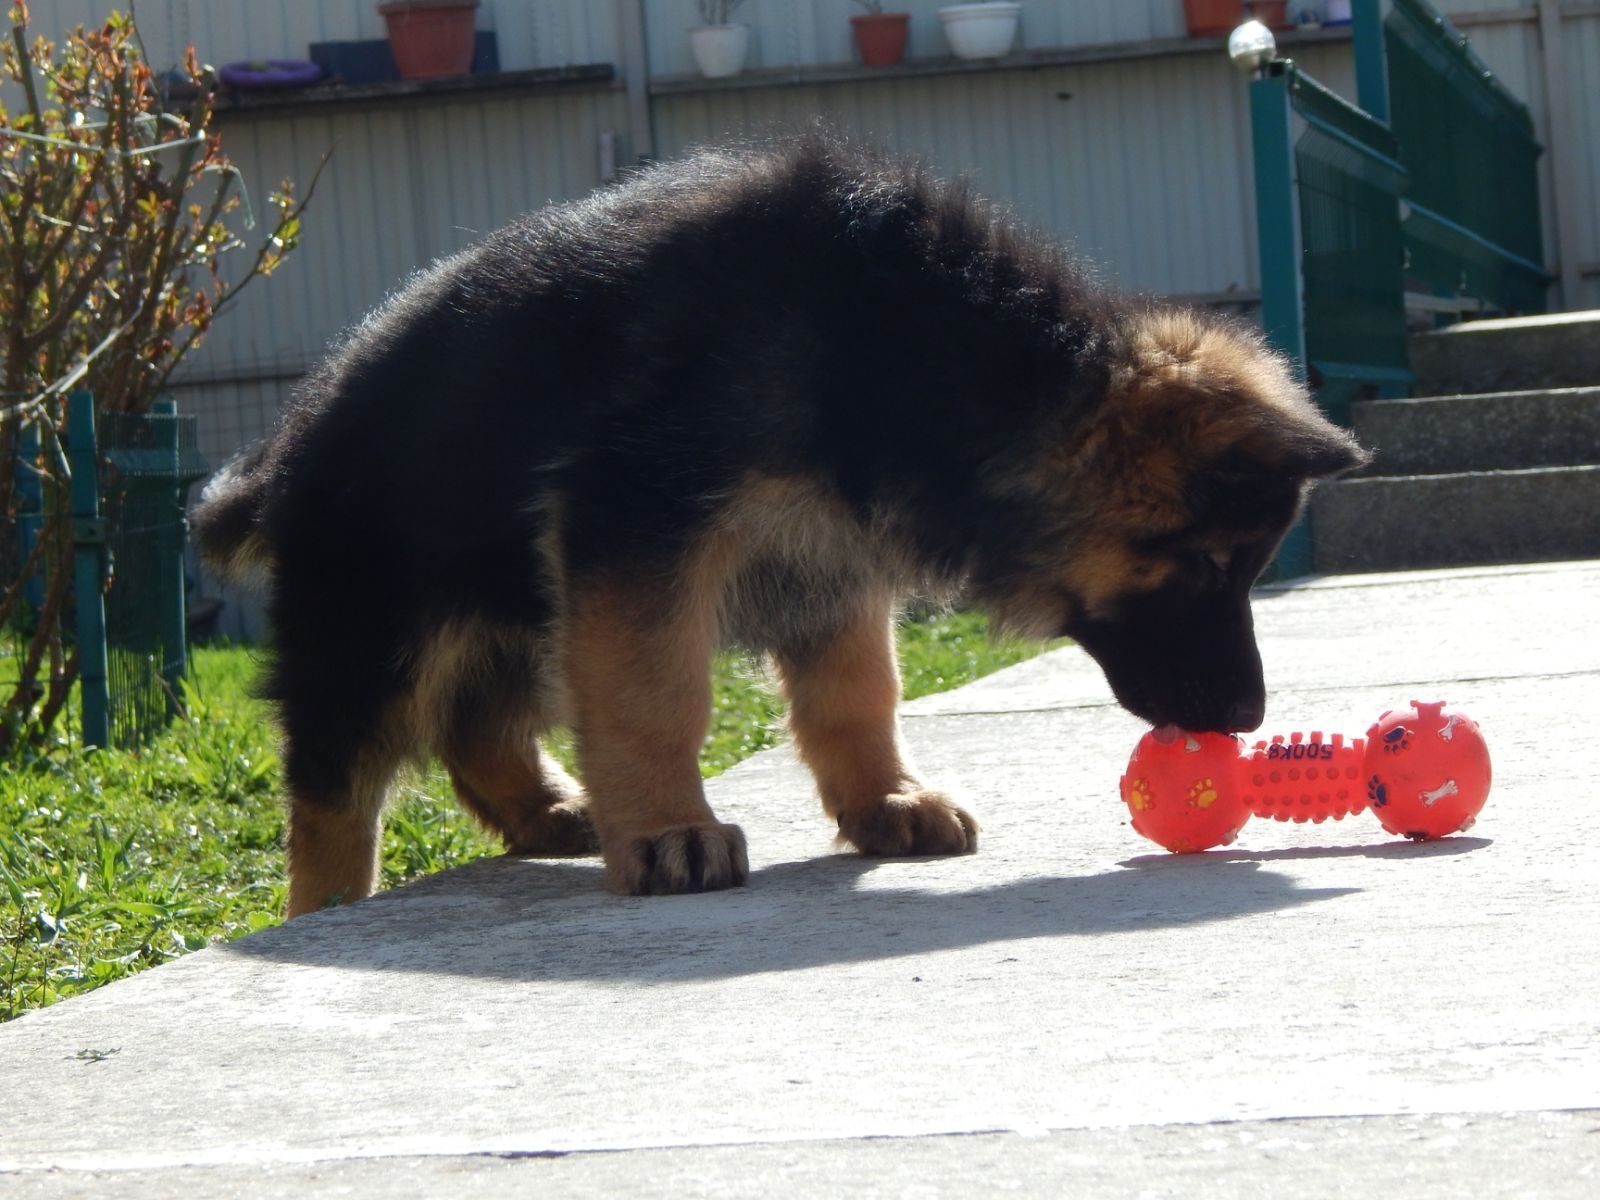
[1509, 1155]
[1378, 630]
[1317, 1009]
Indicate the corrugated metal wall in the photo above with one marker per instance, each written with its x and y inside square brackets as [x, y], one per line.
[403, 187]
[1039, 140]
[1143, 163]
[531, 33]
[787, 32]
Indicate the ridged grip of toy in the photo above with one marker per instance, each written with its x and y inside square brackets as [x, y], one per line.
[1304, 777]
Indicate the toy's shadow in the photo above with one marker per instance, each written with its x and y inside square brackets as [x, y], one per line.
[1440, 848]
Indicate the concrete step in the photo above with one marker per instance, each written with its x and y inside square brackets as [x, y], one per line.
[1515, 353]
[1399, 522]
[1494, 431]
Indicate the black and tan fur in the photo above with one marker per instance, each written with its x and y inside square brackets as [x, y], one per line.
[755, 398]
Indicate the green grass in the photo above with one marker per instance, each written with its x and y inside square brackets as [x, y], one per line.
[113, 861]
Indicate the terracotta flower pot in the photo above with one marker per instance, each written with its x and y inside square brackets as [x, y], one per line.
[1218, 18]
[881, 37]
[430, 39]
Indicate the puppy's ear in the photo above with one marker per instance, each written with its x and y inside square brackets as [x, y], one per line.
[1211, 383]
[1305, 444]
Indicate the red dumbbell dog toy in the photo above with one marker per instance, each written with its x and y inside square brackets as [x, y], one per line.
[1423, 770]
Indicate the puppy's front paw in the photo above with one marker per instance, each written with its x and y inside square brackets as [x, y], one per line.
[925, 822]
[703, 857]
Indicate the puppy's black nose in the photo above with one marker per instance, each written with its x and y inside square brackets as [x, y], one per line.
[1246, 715]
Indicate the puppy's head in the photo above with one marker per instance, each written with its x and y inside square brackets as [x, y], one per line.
[1182, 485]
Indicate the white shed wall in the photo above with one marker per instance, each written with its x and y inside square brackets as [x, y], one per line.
[1143, 163]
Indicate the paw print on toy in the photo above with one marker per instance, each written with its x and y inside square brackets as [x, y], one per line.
[1377, 792]
[1138, 795]
[1396, 740]
[1203, 793]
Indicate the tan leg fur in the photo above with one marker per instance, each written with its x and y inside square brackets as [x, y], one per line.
[333, 851]
[641, 695]
[842, 703]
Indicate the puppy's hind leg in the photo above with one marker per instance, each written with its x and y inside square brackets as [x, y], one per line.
[842, 697]
[476, 701]
[344, 740]
[335, 827]
[523, 795]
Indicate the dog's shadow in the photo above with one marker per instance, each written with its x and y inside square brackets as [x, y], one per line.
[525, 920]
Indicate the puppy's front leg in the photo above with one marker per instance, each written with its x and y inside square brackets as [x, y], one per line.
[641, 692]
[842, 698]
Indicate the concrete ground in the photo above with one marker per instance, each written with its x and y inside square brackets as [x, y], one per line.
[1316, 1010]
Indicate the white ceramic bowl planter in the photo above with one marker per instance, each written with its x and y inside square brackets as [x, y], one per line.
[980, 30]
[719, 50]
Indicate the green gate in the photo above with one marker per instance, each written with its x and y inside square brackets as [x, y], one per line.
[1328, 183]
[130, 474]
[148, 462]
[1431, 185]
[1472, 224]
[1349, 179]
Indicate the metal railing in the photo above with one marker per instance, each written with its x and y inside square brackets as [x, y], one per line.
[1472, 221]
[129, 474]
[1430, 184]
[148, 461]
[1328, 183]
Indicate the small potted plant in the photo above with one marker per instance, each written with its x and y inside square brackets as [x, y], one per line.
[430, 39]
[880, 36]
[719, 46]
[980, 30]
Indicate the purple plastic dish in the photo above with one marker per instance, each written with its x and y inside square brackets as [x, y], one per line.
[261, 75]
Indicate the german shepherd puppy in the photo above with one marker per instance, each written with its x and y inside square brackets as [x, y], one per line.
[755, 398]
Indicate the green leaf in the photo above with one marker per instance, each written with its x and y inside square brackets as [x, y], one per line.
[13, 888]
[137, 908]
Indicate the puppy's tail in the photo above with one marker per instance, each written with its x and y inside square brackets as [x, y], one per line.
[227, 521]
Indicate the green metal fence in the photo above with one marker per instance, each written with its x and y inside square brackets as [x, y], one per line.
[1430, 185]
[148, 461]
[1472, 224]
[129, 476]
[1349, 180]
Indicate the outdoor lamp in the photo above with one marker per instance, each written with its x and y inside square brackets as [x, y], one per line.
[1252, 46]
